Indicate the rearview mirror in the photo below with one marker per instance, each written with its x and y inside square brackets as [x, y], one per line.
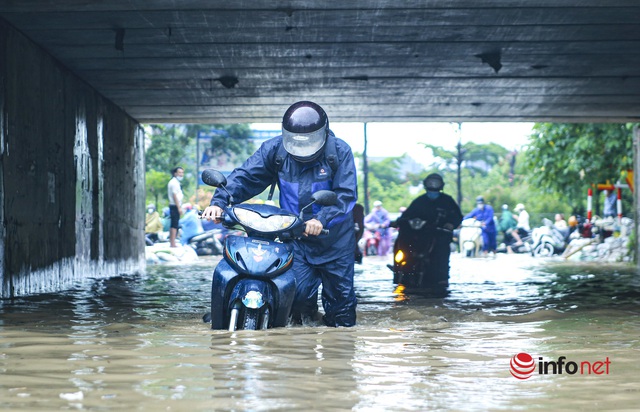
[325, 197]
[214, 178]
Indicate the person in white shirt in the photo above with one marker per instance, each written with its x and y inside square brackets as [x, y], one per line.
[523, 217]
[174, 190]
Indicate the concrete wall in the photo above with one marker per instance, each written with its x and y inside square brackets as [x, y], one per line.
[71, 176]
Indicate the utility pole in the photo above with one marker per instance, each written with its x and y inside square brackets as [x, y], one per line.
[365, 172]
[459, 161]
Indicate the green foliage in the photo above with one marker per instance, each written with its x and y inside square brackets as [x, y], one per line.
[486, 171]
[387, 184]
[566, 159]
[156, 183]
[387, 171]
[171, 145]
[230, 141]
[168, 147]
[477, 158]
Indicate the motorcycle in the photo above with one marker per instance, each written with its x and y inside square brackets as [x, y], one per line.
[207, 243]
[253, 286]
[470, 237]
[548, 240]
[413, 264]
[372, 239]
[510, 242]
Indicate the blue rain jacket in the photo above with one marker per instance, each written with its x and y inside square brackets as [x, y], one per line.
[190, 225]
[297, 181]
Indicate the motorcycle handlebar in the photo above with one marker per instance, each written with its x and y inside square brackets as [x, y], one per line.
[396, 224]
[202, 211]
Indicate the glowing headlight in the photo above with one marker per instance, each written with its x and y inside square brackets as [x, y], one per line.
[256, 222]
[399, 256]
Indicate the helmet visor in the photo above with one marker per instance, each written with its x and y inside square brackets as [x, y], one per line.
[303, 144]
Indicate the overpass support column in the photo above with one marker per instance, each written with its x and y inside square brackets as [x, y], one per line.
[71, 176]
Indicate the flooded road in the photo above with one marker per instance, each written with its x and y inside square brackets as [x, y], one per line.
[138, 343]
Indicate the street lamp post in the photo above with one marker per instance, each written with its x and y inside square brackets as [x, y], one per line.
[459, 161]
[365, 172]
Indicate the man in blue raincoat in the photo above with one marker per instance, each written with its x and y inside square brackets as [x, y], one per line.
[314, 159]
[484, 214]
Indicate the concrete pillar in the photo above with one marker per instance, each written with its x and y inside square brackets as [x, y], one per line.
[636, 191]
[71, 176]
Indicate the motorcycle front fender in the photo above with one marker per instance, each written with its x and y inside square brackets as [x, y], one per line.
[223, 279]
[228, 287]
[286, 289]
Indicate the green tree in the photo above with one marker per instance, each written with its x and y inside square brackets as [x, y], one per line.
[168, 147]
[566, 159]
[156, 183]
[477, 158]
[231, 141]
[171, 145]
[388, 184]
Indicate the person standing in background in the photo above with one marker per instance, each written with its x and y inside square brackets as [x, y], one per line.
[484, 214]
[175, 202]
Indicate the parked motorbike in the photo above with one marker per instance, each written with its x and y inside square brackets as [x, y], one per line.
[413, 259]
[252, 286]
[470, 237]
[207, 243]
[548, 240]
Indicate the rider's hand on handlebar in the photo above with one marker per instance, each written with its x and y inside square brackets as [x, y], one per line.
[313, 227]
[212, 213]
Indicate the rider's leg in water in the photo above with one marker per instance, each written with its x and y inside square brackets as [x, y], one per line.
[338, 294]
[305, 302]
[440, 263]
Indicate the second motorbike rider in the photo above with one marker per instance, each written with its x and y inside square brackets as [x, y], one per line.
[440, 211]
[314, 160]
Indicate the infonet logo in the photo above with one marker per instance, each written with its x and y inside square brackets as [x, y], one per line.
[523, 366]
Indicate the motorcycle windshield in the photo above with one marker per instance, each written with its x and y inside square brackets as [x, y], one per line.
[261, 222]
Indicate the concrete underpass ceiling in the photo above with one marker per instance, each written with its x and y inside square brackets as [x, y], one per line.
[207, 61]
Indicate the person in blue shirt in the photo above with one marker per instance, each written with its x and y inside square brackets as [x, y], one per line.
[484, 214]
[190, 224]
[314, 159]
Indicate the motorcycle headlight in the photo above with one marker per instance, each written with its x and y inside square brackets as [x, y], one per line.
[254, 221]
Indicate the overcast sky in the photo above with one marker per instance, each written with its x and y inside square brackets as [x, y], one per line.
[396, 139]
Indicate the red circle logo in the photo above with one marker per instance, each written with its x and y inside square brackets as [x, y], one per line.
[522, 366]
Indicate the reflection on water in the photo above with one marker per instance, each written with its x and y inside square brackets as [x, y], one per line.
[138, 343]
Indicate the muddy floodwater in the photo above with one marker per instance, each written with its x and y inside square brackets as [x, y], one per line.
[137, 343]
